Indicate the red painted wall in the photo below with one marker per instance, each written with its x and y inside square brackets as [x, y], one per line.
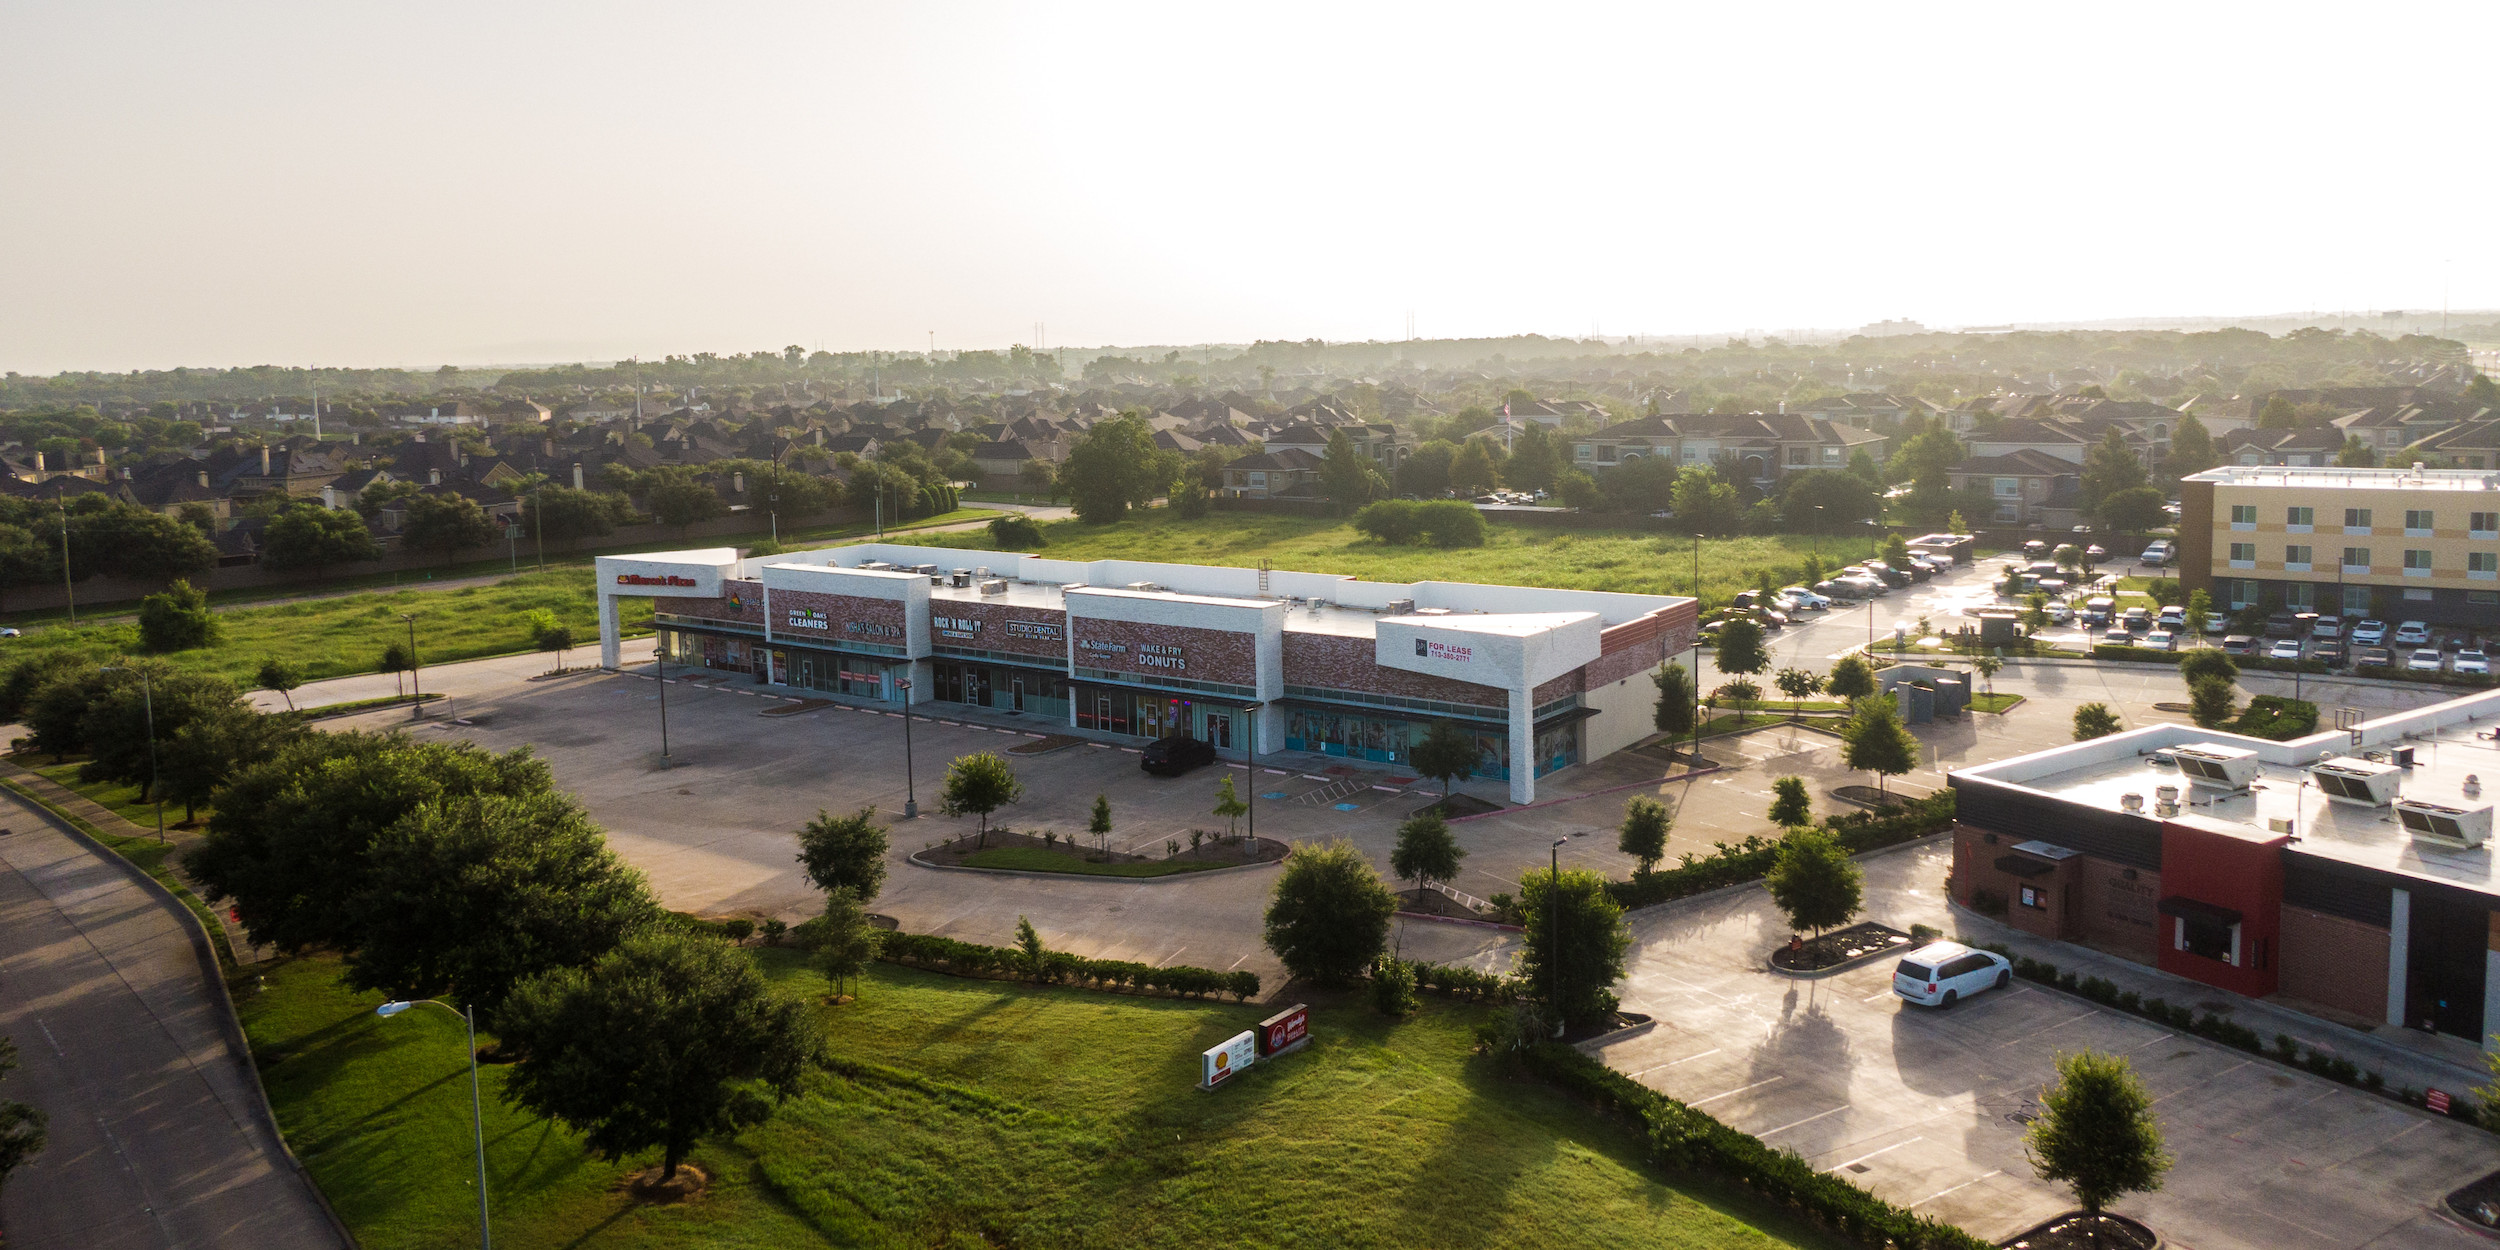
[2228, 866]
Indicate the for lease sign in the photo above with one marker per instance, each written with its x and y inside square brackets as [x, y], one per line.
[1444, 651]
[1235, 1053]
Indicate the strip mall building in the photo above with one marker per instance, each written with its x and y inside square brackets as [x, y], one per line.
[1248, 659]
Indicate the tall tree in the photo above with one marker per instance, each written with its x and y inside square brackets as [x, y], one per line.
[446, 525]
[1875, 739]
[1643, 834]
[1114, 467]
[1476, 468]
[2108, 468]
[1705, 504]
[1328, 914]
[1535, 458]
[676, 497]
[1673, 715]
[1349, 477]
[1446, 754]
[1426, 851]
[666, 1039]
[1790, 804]
[2191, 448]
[309, 536]
[1813, 880]
[1571, 953]
[844, 852]
[978, 784]
[1741, 651]
[2096, 1131]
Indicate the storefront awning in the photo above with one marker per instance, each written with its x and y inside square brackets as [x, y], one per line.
[1487, 717]
[1567, 716]
[2193, 909]
[2024, 866]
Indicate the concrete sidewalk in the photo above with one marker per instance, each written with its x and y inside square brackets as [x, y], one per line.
[160, 1135]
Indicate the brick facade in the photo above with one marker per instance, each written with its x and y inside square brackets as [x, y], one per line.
[2340, 963]
[1337, 661]
[1152, 652]
[846, 618]
[1038, 632]
[748, 608]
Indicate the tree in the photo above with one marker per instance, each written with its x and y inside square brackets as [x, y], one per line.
[2095, 720]
[2108, 468]
[1739, 694]
[2278, 413]
[1425, 472]
[1017, 532]
[446, 525]
[1673, 715]
[123, 709]
[1829, 503]
[1852, 678]
[1740, 648]
[1328, 914]
[1228, 805]
[1577, 490]
[1814, 882]
[1426, 851]
[2135, 510]
[2191, 449]
[2096, 1131]
[2200, 613]
[1875, 739]
[667, 1038]
[131, 542]
[844, 852]
[177, 619]
[548, 633]
[1790, 804]
[1446, 754]
[1036, 956]
[1534, 459]
[396, 660]
[847, 941]
[1100, 825]
[2207, 662]
[675, 497]
[1347, 476]
[1476, 468]
[21, 1126]
[281, 676]
[1040, 477]
[1114, 467]
[1573, 947]
[1987, 667]
[2211, 701]
[470, 896]
[1643, 835]
[1799, 685]
[308, 536]
[564, 516]
[2356, 454]
[211, 747]
[979, 784]
[1704, 504]
[1393, 986]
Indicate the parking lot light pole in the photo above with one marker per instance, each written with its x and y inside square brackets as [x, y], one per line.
[416, 695]
[1553, 919]
[659, 671]
[911, 788]
[1250, 767]
[477, 1114]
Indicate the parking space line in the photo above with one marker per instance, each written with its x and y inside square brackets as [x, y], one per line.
[1956, 1189]
[1686, 1059]
[1872, 1153]
[1808, 1120]
[2090, 1011]
[2207, 1081]
[1738, 1090]
[2163, 1038]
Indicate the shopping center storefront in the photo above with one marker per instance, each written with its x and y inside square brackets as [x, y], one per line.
[1244, 659]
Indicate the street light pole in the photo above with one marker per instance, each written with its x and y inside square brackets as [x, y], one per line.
[659, 669]
[477, 1111]
[911, 788]
[147, 698]
[416, 693]
[1553, 920]
[1249, 767]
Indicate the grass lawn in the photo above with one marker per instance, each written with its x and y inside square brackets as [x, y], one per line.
[1029, 859]
[1635, 561]
[1994, 702]
[980, 1114]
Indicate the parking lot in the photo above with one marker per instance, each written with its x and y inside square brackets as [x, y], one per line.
[1927, 1107]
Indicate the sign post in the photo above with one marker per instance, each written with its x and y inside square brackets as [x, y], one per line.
[1221, 1062]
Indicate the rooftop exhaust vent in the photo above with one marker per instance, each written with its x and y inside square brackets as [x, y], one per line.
[2357, 781]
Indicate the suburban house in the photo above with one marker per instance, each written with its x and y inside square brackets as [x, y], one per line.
[1273, 474]
[1380, 442]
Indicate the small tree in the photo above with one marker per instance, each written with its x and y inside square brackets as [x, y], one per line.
[666, 1039]
[847, 941]
[1987, 666]
[1954, 524]
[282, 676]
[1446, 754]
[1791, 806]
[1741, 650]
[1739, 694]
[2210, 700]
[21, 1126]
[395, 661]
[2205, 662]
[548, 633]
[1643, 835]
[1328, 914]
[1674, 714]
[2096, 1131]
[1852, 678]
[1393, 986]
[1034, 955]
[2095, 720]
[1228, 805]
[1572, 950]
[978, 784]
[1426, 851]
[1799, 685]
[845, 852]
[2200, 612]
[176, 620]
[1815, 883]
[1100, 825]
[1875, 739]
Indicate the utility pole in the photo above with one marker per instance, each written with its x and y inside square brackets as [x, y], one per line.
[68, 591]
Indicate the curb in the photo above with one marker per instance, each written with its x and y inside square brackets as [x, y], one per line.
[206, 953]
[1629, 785]
[1756, 883]
[1836, 969]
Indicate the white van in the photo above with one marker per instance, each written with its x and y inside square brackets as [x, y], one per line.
[1940, 974]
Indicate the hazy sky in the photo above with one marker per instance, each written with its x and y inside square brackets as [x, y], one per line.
[345, 183]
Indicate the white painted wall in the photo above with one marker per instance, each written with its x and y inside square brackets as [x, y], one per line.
[1623, 717]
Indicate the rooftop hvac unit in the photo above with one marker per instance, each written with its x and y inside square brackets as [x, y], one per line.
[924, 568]
[874, 566]
[2213, 764]
[1400, 607]
[2461, 827]
[961, 577]
[1145, 586]
[2357, 781]
[994, 586]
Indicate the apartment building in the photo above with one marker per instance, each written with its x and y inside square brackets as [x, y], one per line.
[2397, 544]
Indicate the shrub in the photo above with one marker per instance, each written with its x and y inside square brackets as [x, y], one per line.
[972, 959]
[1988, 902]
[1438, 522]
[737, 930]
[1017, 532]
[1393, 986]
[773, 931]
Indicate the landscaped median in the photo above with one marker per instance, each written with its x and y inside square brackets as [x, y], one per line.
[1020, 852]
[1750, 860]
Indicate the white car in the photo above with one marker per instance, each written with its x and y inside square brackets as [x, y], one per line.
[2157, 554]
[2370, 634]
[2473, 662]
[2425, 660]
[1807, 599]
[2327, 627]
[1940, 974]
[2413, 634]
[2159, 640]
[2284, 649]
[10, 632]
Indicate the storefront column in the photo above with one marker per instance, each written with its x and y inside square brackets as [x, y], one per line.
[2491, 983]
[609, 645]
[2399, 953]
[1522, 746]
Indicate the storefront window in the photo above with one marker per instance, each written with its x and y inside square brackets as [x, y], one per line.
[2211, 939]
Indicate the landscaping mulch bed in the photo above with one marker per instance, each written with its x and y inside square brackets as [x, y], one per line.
[1869, 796]
[1459, 805]
[1043, 745]
[1215, 852]
[1840, 948]
[1615, 1023]
[2077, 1231]
[1435, 903]
[2174, 707]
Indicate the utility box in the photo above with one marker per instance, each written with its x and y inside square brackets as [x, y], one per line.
[1999, 628]
[1918, 704]
[1952, 695]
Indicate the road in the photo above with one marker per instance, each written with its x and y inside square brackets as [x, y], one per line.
[158, 1135]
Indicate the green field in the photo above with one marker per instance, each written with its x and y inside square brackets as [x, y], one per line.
[1633, 561]
[981, 1114]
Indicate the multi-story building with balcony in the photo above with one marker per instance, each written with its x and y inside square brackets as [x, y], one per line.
[2397, 544]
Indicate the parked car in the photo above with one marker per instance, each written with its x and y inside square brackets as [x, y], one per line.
[2060, 614]
[2284, 649]
[1834, 591]
[2098, 610]
[2474, 662]
[2160, 640]
[2137, 620]
[2171, 616]
[2117, 636]
[1889, 575]
[2158, 554]
[2328, 652]
[1941, 974]
[2454, 642]
[2413, 634]
[2373, 657]
[2327, 627]
[1868, 585]
[1172, 756]
[1807, 599]
[2370, 633]
[10, 632]
[2425, 660]
[2239, 644]
[2217, 623]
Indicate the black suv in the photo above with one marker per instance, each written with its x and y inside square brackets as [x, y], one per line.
[1170, 757]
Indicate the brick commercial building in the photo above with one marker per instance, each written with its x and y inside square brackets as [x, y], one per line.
[2348, 871]
[1242, 658]
[2396, 544]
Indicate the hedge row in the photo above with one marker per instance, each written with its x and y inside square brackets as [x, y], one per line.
[2215, 1027]
[1752, 858]
[1465, 983]
[1682, 1137]
[972, 959]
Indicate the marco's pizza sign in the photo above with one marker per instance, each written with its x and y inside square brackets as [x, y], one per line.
[645, 579]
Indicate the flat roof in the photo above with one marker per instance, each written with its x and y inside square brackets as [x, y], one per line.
[2348, 479]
